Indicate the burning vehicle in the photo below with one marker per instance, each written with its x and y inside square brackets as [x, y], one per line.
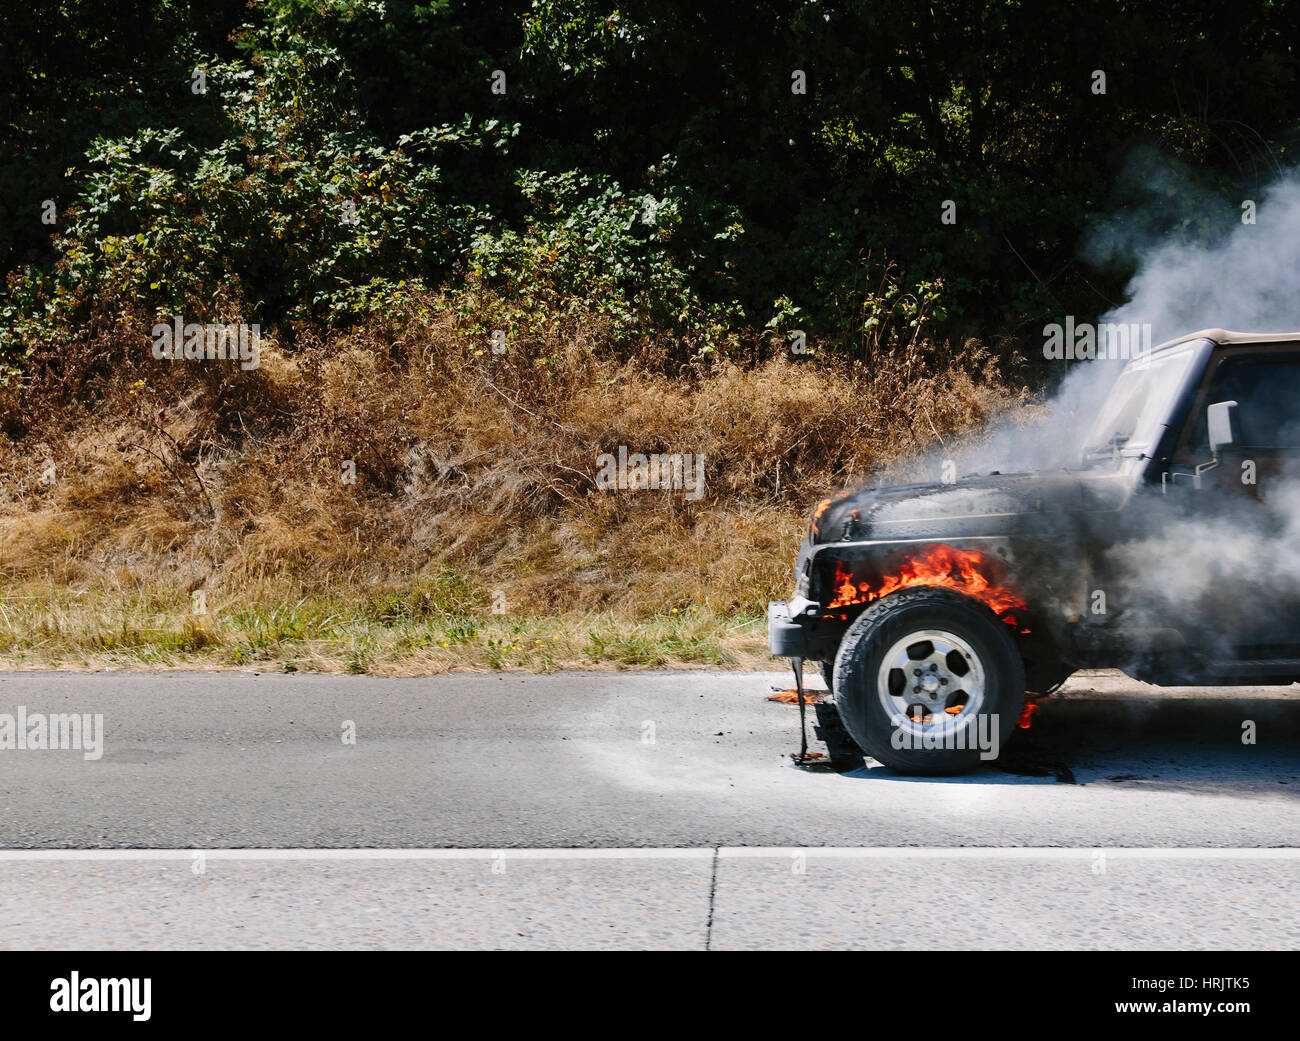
[1168, 548]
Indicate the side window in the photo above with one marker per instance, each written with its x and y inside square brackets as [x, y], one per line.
[1266, 388]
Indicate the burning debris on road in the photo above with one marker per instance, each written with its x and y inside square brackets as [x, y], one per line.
[790, 696]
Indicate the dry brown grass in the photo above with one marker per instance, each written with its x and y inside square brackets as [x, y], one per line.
[474, 482]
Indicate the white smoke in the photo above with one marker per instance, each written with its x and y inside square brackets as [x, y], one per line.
[1224, 568]
[1245, 278]
[1233, 558]
[1220, 562]
[1247, 281]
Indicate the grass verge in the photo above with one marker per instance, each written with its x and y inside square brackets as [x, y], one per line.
[393, 633]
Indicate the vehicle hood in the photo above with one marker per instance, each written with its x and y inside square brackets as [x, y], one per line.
[983, 504]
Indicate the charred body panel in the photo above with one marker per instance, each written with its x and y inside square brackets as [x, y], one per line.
[1020, 533]
[1062, 543]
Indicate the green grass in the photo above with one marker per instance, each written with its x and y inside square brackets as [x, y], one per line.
[413, 631]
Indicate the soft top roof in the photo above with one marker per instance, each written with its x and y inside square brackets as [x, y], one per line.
[1225, 337]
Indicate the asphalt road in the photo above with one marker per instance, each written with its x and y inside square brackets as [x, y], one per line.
[634, 809]
[617, 759]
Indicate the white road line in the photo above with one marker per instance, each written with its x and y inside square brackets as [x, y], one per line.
[1021, 852]
[691, 853]
[668, 853]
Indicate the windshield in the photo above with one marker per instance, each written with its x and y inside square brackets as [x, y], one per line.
[1138, 405]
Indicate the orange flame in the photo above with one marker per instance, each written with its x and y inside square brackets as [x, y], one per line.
[965, 570]
[824, 505]
[791, 696]
[1031, 709]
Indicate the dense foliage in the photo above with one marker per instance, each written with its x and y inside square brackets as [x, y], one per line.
[306, 162]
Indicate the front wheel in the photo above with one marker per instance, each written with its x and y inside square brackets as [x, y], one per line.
[928, 681]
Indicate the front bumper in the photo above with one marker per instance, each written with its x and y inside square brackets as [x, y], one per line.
[788, 627]
[785, 639]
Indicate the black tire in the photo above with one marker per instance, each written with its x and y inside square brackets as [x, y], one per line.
[875, 709]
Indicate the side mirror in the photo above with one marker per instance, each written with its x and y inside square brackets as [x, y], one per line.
[1222, 417]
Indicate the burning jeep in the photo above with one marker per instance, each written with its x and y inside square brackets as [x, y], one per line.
[933, 606]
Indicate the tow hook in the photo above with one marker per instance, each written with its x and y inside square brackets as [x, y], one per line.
[804, 758]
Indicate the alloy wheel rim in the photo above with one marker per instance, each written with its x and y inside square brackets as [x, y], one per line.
[931, 682]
